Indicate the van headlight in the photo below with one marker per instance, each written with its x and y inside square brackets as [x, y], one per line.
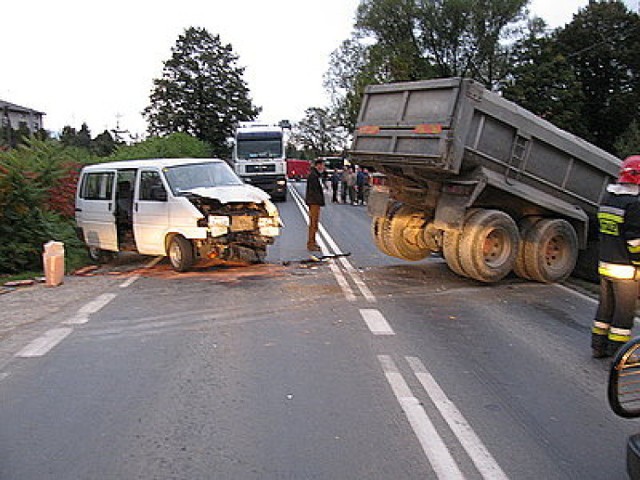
[269, 226]
[218, 225]
[219, 221]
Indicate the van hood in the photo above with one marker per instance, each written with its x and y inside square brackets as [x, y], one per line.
[232, 194]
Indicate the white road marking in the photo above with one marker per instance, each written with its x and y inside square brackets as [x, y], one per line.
[129, 281]
[340, 278]
[92, 307]
[482, 459]
[376, 322]
[433, 446]
[46, 342]
[355, 276]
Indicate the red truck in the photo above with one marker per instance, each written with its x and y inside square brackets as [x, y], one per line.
[297, 169]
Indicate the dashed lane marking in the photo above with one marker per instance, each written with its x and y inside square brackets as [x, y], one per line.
[376, 322]
[90, 308]
[46, 342]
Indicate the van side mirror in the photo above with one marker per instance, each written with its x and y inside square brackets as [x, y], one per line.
[623, 391]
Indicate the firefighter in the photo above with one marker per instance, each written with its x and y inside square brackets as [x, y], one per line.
[619, 219]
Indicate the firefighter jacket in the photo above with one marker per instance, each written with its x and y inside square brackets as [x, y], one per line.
[619, 220]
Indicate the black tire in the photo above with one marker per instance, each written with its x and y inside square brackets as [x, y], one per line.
[489, 245]
[403, 234]
[524, 226]
[551, 250]
[180, 253]
[100, 256]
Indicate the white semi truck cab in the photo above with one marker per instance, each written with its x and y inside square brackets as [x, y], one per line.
[259, 157]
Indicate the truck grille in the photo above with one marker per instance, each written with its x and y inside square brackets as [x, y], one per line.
[267, 168]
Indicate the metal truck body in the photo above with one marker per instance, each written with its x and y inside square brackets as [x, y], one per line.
[259, 158]
[490, 185]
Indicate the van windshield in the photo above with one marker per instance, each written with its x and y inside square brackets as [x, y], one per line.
[183, 178]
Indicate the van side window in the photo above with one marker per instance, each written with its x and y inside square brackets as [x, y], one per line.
[151, 187]
[97, 186]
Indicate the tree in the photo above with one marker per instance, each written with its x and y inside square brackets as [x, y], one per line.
[318, 133]
[175, 145]
[602, 46]
[542, 81]
[404, 40]
[201, 91]
[104, 144]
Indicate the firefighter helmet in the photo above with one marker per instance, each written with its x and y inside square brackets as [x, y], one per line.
[630, 170]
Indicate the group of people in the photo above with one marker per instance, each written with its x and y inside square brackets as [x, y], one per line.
[352, 182]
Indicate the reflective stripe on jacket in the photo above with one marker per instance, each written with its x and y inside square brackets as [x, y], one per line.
[619, 221]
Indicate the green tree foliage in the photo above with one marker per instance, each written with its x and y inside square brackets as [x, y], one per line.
[32, 180]
[629, 142]
[318, 134]
[542, 81]
[175, 145]
[70, 137]
[404, 40]
[602, 46]
[201, 91]
[104, 144]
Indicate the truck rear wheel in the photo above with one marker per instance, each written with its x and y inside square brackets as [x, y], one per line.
[450, 251]
[404, 234]
[489, 245]
[524, 226]
[550, 250]
[180, 253]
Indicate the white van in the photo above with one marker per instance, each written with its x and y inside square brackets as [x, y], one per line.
[192, 210]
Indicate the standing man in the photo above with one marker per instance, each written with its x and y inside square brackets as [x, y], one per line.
[336, 179]
[314, 198]
[619, 219]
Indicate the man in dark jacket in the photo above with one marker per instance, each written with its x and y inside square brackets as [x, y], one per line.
[619, 218]
[314, 198]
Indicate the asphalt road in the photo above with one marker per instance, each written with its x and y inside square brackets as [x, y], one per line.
[365, 367]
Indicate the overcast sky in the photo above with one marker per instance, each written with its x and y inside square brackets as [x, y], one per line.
[79, 63]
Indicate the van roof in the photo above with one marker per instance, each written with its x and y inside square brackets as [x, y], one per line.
[154, 162]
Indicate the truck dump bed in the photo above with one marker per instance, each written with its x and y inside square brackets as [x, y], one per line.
[443, 129]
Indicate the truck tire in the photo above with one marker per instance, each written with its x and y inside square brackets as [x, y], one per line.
[451, 247]
[450, 251]
[524, 226]
[377, 232]
[489, 245]
[180, 253]
[403, 234]
[550, 250]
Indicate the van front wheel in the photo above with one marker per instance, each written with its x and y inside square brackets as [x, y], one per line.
[180, 253]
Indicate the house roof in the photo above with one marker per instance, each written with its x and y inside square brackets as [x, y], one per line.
[17, 108]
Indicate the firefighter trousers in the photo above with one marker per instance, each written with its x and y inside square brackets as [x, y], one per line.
[616, 311]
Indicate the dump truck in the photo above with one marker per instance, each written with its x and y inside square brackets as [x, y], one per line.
[487, 184]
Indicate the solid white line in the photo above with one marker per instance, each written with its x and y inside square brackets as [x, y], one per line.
[340, 278]
[433, 446]
[376, 322]
[92, 307]
[129, 281]
[46, 342]
[366, 293]
[482, 459]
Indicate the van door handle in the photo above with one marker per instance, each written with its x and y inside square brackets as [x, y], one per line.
[78, 209]
[109, 206]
